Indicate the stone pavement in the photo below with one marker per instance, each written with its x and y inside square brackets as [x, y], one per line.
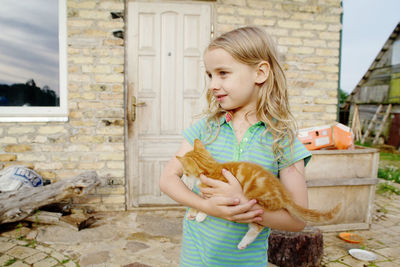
[151, 237]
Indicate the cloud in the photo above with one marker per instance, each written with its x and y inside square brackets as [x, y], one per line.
[29, 42]
[367, 24]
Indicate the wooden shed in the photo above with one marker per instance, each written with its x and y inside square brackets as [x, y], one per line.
[378, 92]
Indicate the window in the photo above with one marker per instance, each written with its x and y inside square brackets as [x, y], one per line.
[33, 60]
[396, 52]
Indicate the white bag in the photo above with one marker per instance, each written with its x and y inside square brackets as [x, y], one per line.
[14, 177]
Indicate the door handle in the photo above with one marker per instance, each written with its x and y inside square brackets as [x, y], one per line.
[133, 108]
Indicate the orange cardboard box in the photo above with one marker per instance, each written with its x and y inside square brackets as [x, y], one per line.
[316, 137]
[338, 135]
[343, 137]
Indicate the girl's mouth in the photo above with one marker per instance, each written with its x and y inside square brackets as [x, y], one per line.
[220, 97]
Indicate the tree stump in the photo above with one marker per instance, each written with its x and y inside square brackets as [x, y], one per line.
[296, 249]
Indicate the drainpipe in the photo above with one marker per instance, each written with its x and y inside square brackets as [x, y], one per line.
[340, 62]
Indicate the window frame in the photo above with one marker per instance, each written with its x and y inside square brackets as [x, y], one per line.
[39, 114]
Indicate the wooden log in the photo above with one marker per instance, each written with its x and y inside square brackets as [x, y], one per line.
[44, 217]
[77, 221]
[19, 204]
[296, 249]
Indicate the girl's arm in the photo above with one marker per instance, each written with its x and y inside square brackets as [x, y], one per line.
[172, 185]
[292, 179]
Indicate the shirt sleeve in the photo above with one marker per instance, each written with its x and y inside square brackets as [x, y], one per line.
[195, 131]
[290, 156]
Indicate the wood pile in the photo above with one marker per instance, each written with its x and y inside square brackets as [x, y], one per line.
[47, 204]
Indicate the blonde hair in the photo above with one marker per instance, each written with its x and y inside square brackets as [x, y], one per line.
[252, 45]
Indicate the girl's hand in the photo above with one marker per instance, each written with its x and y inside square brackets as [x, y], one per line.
[226, 200]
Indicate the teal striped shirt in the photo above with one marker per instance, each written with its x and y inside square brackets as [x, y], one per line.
[214, 241]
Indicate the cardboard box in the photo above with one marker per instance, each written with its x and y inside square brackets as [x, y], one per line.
[316, 137]
[337, 136]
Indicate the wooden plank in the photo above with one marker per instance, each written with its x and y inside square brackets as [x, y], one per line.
[341, 182]
[356, 150]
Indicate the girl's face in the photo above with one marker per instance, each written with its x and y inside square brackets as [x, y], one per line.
[232, 83]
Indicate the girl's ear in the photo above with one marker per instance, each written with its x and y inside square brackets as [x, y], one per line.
[263, 69]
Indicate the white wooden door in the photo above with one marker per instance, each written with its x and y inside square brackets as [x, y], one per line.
[165, 72]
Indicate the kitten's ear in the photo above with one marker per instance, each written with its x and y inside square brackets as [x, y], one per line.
[198, 145]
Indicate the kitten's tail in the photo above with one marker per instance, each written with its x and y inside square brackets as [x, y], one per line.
[312, 215]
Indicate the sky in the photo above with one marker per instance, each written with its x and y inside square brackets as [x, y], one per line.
[367, 24]
[29, 49]
[29, 42]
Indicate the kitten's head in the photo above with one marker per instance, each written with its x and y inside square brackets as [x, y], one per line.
[197, 161]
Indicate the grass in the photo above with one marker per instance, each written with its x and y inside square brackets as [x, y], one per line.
[390, 173]
[9, 262]
[386, 187]
[389, 170]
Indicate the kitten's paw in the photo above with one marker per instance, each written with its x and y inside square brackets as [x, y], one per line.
[191, 215]
[201, 216]
[242, 245]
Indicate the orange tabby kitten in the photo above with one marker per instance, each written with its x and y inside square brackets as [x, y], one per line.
[257, 183]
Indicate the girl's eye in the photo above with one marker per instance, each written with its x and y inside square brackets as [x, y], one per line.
[209, 75]
[223, 73]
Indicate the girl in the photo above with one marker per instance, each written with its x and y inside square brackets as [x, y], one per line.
[248, 119]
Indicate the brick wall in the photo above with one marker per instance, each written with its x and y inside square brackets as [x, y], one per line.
[307, 33]
[93, 138]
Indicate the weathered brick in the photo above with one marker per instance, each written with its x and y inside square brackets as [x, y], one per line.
[91, 165]
[18, 130]
[314, 43]
[80, 23]
[327, 52]
[289, 24]
[328, 68]
[81, 5]
[18, 148]
[113, 42]
[230, 19]
[94, 14]
[113, 199]
[302, 33]
[111, 190]
[325, 100]
[8, 140]
[301, 50]
[302, 16]
[234, 2]
[222, 9]
[115, 164]
[80, 60]
[275, 13]
[51, 129]
[290, 41]
[8, 157]
[329, 35]
[112, 78]
[249, 12]
[112, 5]
[315, 26]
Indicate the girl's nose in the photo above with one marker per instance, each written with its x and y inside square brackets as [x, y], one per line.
[214, 84]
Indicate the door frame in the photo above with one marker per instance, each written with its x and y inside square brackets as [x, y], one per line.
[131, 136]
